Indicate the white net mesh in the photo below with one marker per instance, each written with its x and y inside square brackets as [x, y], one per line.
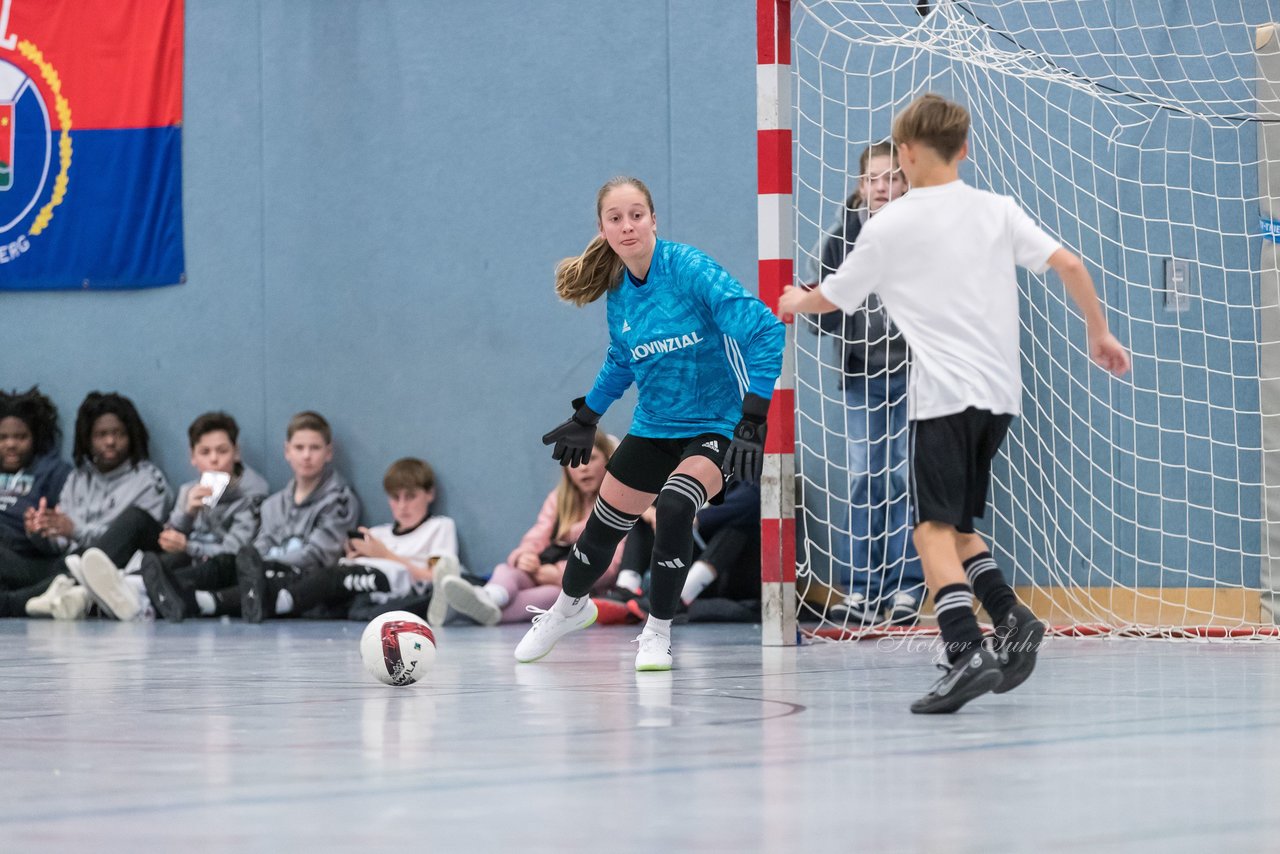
[1136, 133]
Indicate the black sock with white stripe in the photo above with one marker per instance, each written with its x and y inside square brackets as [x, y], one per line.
[988, 583]
[953, 606]
[680, 499]
[593, 552]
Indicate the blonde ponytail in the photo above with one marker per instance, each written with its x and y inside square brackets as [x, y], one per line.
[589, 276]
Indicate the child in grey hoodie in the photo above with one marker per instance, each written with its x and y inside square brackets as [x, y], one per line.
[114, 500]
[215, 514]
[303, 529]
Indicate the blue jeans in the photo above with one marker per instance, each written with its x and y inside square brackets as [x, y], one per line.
[876, 544]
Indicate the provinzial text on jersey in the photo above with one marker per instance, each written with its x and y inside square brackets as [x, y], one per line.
[665, 345]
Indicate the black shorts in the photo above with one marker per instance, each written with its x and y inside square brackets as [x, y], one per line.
[951, 465]
[645, 464]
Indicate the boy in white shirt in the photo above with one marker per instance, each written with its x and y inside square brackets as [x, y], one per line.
[942, 259]
[387, 561]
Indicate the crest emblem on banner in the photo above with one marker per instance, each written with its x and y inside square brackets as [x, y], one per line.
[35, 160]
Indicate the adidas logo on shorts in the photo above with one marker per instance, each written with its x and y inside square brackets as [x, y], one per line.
[626, 327]
[713, 445]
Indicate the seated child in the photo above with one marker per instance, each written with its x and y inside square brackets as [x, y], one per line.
[303, 529]
[114, 500]
[216, 514]
[529, 581]
[386, 561]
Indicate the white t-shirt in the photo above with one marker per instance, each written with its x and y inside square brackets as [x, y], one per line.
[942, 260]
[434, 537]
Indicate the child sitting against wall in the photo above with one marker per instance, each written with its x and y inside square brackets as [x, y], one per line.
[529, 582]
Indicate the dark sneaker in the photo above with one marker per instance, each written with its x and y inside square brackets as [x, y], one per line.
[852, 609]
[172, 600]
[972, 676]
[251, 575]
[621, 594]
[1017, 640]
[903, 610]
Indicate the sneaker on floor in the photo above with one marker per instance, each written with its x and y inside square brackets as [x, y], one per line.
[903, 610]
[638, 606]
[972, 676]
[853, 608]
[611, 612]
[251, 575]
[42, 605]
[74, 567]
[617, 593]
[548, 627]
[105, 583]
[654, 652]
[465, 598]
[168, 596]
[446, 567]
[72, 605]
[1017, 640]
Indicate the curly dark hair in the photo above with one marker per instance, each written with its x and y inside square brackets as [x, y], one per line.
[38, 413]
[96, 404]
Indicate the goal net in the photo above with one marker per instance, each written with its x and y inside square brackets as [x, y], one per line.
[1146, 138]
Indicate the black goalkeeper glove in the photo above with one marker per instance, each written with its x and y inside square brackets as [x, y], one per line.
[575, 438]
[745, 460]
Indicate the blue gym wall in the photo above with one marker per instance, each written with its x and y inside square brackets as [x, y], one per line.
[375, 196]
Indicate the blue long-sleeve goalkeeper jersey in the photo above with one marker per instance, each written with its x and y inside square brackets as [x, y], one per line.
[693, 340]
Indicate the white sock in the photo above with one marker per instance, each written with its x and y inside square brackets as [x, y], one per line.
[699, 578]
[206, 603]
[658, 627]
[284, 602]
[499, 594]
[567, 606]
[629, 579]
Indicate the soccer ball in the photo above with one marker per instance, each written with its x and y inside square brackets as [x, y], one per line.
[397, 647]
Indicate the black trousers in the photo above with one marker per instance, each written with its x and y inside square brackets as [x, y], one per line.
[131, 531]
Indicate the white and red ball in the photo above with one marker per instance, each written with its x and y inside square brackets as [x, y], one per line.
[398, 647]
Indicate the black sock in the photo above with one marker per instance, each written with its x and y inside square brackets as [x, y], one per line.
[593, 552]
[959, 627]
[680, 499]
[988, 583]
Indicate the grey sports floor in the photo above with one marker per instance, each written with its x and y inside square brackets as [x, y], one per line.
[217, 736]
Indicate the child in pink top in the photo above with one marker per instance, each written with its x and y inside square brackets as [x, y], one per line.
[530, 579]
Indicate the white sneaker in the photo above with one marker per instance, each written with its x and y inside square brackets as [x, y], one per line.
[72, 605]
[446, 567]
[42, 605]
[105, 583]
[654, 653]
[74, 567]
[465, 598]
[548, 627]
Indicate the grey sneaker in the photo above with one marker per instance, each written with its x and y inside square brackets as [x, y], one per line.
[465, 598]
[447, 566]
[972, 676]
[1017, 640]
[72, 605]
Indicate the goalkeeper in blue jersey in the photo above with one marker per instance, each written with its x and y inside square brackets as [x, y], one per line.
[703, 354]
